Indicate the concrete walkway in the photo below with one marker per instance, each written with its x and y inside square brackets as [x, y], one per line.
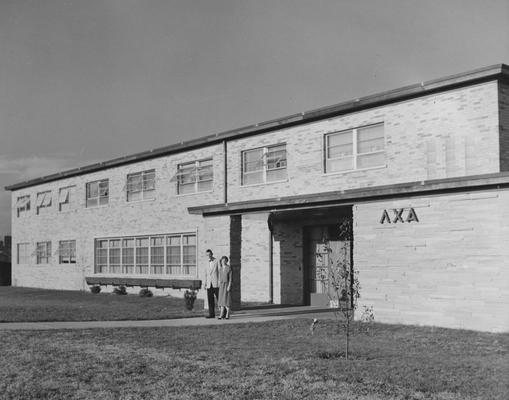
[239, 317]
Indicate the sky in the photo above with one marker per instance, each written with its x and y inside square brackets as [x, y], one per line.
[83, 81]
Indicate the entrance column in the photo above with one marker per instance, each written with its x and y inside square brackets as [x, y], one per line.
[235, 258]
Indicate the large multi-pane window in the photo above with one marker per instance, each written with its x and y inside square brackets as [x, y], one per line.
[265, 164]
[173, 254]
[67, 252]
[128, 256]
[23, 256]
[114, 256]
[195, 176]
[97, 193]
[65, 198]
[43, 252]
[23, 205]
[355, 149]
[141, 185]
[43, 201]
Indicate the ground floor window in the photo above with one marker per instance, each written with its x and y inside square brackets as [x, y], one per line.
[67, 252]
[43, 252]
[23, 253]
[170, 254]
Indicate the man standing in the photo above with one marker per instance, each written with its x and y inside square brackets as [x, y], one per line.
[212, 283]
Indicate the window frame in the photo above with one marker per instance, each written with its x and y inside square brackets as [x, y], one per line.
[71, 257]
[194, 171]
[25, 208]
[44, 203]
[265, 167]
[68, 199]
[22, 259]
[141, 263]
[88, 200]
[145, 193]
[355, 154]
[43, 254]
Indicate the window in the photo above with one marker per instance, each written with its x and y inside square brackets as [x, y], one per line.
[43, 252]
[23, 205]
[65, 197]
[196, 176]
[141, 185]
[23, 256]
[181, 255]
[142, 260]
[43, 201]
[173, 254]
[266, 164]
[128, 256]
[67, 252]
[97, 193]
[114, 256]
[355, 149]
[157, 255]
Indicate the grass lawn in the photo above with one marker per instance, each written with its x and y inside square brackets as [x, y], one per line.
[26, 304]
[271, 360]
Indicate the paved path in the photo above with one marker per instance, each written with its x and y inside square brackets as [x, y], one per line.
[243, 316]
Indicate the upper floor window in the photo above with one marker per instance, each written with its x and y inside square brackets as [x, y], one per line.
[65, 198]
[23, 256]
[23, 205]
[265, 164]
[355, 149]
[141, 185]
[67, 252]
[43, 252]
[97, 193]
[43, 200]
[195, 176]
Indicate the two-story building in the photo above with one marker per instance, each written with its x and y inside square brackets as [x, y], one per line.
[409, 187]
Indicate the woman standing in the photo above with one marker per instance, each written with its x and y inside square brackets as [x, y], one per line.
[225, 284]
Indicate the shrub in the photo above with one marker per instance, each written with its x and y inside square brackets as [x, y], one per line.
[120, 290]
[145, 292]
[95, 289]
[190, 297]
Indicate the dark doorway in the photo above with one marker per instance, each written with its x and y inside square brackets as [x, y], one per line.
[325, 246]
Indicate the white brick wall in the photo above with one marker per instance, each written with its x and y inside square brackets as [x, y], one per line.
[167, 213]
[425, 273]
[450, 269]
[444, 135]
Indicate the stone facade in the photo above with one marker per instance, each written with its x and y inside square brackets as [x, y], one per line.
[504, 126]
[448, 269]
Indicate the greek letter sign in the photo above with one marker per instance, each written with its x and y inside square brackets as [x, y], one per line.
[395, 215]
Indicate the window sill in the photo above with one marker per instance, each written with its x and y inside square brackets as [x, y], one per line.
[193, 194]
[139, 201]
[263, 183]
[95, 207]
[353, 170]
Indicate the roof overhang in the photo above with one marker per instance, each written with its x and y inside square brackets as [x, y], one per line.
[494, 72]
[349, 197]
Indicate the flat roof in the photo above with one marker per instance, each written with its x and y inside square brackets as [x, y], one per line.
[494, 72]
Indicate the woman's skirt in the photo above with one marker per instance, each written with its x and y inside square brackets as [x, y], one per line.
[224, 299]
